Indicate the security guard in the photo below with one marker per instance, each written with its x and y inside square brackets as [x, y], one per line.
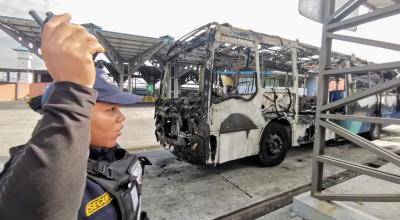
[72, 167]
[113, 185]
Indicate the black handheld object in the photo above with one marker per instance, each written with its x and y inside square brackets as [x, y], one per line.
[36, 17]
[39, 20]
[42, 22]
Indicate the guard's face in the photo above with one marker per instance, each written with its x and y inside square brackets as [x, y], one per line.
[106, 124]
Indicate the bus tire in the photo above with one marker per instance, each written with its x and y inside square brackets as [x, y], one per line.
[274, 144]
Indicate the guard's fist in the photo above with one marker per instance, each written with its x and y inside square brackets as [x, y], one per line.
[67, 51]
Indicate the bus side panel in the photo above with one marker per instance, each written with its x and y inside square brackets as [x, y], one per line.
[390, 106]
[369, 107]
[363, 107]
[237, 145]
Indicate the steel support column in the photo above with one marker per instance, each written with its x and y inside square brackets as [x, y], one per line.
[121, 77]
[323, 82]
[17, 85]
[129, 79]
[334, 22]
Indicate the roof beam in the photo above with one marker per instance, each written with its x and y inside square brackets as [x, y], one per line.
[137, 61]
[111, 54]
[123, 46]
[129, 42]
[114, 35]
[32, 45]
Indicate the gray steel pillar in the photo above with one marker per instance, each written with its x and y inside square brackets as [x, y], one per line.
[39, 78]
[130, 83]
[129, 79]
[347, 85]
[323, 85]
[17, 85]
[135, 86]
[121, 77]
[323, 119]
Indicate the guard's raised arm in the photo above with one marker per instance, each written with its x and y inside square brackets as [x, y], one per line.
[46, 179]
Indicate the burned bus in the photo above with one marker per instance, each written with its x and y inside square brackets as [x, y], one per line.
[228, 93]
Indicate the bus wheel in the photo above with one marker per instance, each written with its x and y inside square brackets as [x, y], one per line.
[274, 144]
[375, 131]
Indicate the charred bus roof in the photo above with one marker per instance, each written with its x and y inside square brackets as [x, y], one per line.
[195, 47]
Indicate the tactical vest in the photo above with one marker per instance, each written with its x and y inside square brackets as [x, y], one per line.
[123, 180]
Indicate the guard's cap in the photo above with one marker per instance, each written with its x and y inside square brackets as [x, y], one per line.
[107, 92]
[110, 93]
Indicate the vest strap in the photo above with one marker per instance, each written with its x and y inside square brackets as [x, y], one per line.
[100, 167]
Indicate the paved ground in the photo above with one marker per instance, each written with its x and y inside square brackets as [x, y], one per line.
[17, 122]
[177, 190]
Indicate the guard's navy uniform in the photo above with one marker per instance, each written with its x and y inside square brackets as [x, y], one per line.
[48, 170]
[113, 185]
[97, 204]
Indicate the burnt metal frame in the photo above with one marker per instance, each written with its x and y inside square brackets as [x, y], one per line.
[334, 22]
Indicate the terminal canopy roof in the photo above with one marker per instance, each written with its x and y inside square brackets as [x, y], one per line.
[120, 48]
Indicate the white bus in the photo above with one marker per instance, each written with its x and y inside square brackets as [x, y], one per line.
[228, 93]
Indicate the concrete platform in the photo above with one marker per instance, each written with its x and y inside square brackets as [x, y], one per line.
[311, 208]
[284, 213]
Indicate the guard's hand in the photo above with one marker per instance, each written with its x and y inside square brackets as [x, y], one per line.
[67, 51]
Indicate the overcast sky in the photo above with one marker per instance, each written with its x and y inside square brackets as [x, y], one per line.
[156, 18]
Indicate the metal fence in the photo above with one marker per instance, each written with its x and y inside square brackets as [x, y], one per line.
[334, 21]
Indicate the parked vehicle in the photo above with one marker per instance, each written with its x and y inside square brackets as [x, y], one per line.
[228, 93]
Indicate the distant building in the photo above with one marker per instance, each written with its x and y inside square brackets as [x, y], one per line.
[21, 82]
[25, 63]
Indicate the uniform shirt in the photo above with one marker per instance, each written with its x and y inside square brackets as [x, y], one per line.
[97, 203]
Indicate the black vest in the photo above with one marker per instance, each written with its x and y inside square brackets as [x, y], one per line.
[119, 176]
[122, 178]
